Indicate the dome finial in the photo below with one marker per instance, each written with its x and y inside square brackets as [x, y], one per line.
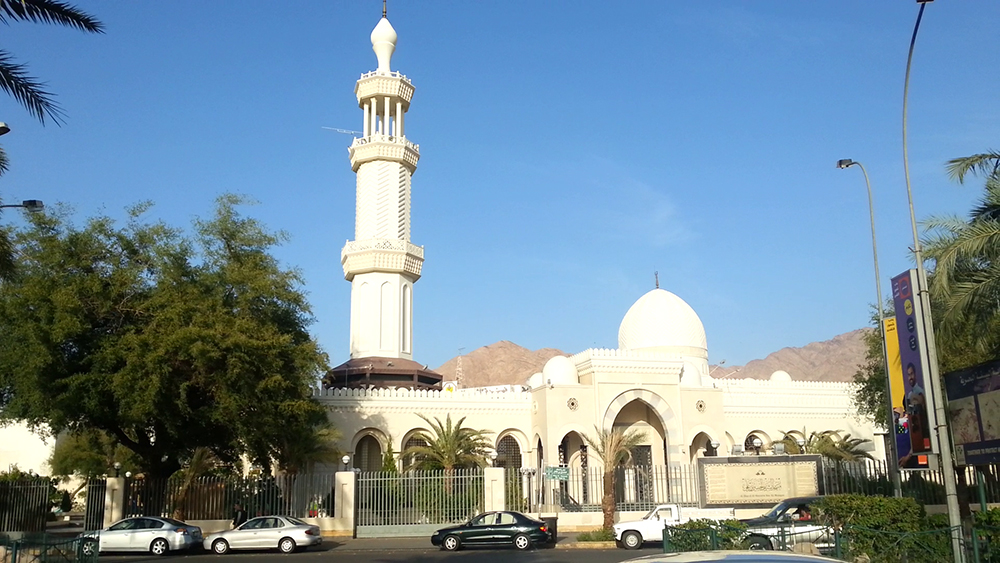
[383, 8]
[656, 276]
[383, 43]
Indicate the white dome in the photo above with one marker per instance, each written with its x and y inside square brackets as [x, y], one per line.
[536, 380]
[559, 370]
[781, 375]
[661, 320]
[383, 43]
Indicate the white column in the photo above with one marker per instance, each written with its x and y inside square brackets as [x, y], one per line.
[399, 119]
[366, 123]
[385, 117]
[374, 116]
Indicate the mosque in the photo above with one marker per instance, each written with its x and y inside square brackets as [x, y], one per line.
[656, 381]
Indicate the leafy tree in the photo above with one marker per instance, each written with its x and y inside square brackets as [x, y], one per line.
[827, 443]
[448, 446]
[303, 450]
[88, 453]
[613, 447]
[163, 342]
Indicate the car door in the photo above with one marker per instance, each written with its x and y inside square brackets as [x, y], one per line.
[245, 536]
[270, 532]
[143, 532]
[118, 537]
[505, 528]
[480, 529]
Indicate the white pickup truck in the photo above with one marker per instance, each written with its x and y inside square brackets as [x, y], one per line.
[631, 534]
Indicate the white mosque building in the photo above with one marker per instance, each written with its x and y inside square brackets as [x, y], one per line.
[657, 380]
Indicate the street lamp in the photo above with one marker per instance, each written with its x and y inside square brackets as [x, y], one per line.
[941, 432]
[757, 443]
[892, 464]
[801, 443]
[346, 459]
[32, 205]
[4, 129]
[118, 468]
[715, 447]
[528, 472]
[493, 459]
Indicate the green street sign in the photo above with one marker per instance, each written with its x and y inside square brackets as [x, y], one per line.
[557, 473]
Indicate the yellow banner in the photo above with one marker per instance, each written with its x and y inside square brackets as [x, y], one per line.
[895, 365]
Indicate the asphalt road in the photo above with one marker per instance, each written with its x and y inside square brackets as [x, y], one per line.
[348, 553]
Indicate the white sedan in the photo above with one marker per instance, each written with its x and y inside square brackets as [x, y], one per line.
[152, 534]
[266, 532]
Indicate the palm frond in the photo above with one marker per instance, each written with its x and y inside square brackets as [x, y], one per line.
[4, 163]
[987, 163]
[27, 90]
[48, 11]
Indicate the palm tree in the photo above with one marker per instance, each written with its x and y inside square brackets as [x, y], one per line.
[827, 443]
[613, 447]
[300, 451]
[202, 461]
[966, 279]
[449, 446]
[987, 163]
[14, 79]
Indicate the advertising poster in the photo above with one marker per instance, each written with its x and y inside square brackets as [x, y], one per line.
[974, 413]
[897, 396]
[915, 414]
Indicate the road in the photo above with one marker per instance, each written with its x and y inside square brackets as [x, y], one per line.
[348, 553]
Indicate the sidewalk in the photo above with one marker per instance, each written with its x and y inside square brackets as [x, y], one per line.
[423, 544]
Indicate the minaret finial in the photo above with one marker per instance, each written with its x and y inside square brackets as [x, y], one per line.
[656, 276]
[383, 8]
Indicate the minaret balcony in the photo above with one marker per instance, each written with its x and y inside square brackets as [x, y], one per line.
[376, 85]
[381, 255]
[384, 147]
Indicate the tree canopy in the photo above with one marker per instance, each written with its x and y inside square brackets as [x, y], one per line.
[164, 342]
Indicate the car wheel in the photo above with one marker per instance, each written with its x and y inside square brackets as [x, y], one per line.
[89, 547]
[451, 543]
[631, 540]
[220, 546]
[758, 543]
[286, 545]
[159, 547]
[522, 542]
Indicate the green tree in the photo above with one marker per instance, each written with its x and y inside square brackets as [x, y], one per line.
[448, 446]
[301, 451]
[613, 447]
[163, 342]
[828, 443]
[87, 453]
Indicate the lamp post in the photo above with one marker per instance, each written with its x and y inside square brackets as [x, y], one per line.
[757, 443]
[4, 129]
[528, 472]
[892, 464]
[941, 433]
[715, 447]
[493, 459]
[801, 443]
[346, 459]
[118, 468]
[32, 205]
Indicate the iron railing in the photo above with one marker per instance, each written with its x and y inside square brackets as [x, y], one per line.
[636, 488]
[388, 498]
[25, 504]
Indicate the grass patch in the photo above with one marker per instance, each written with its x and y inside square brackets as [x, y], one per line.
[600, 534]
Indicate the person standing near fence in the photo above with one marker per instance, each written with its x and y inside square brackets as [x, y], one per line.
[239, 515]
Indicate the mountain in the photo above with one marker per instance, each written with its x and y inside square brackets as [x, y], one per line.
[506, 363]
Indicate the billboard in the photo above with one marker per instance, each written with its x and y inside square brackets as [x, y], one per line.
[974, 413]
[915, 412]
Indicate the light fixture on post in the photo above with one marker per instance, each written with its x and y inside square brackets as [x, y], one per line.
[757, 443]
[493, 458]
[892, 465]
[4, 128]
[715, 447]
[529, 472]
[942, 434]
[801, 443]
[346, 459]
[118, 468]
[32, 205]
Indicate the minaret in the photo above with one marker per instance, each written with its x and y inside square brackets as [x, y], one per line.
[381, 263]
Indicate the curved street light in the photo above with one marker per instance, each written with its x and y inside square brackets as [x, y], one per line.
[32, 205]
[890, 447]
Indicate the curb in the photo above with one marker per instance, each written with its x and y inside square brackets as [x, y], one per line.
[587, 545]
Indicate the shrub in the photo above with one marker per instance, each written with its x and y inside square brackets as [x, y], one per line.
[600, 534]
[704, 534]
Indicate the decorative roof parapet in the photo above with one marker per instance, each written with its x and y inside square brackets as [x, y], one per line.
[478, 394]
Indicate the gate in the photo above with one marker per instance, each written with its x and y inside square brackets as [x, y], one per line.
[93, 518]
[24, 504]
[415, 503]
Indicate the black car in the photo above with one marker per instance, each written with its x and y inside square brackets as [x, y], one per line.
[493, 528]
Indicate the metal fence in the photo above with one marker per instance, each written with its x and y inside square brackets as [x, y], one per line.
[387, 498]
[45, 548]
[636, 488]
[870, 477]
[214, 497]
[25, 504]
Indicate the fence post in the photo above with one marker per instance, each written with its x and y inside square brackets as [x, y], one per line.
[975, 545]
[494, 492]
[114, 500]
[345, 483]
[713, 535]
[666, 539]
[837, 551]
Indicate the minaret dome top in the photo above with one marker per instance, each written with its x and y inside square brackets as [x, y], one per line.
[383, 43]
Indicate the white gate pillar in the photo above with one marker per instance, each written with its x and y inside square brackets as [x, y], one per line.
[114, 500]
[494, 497]
[344, 501]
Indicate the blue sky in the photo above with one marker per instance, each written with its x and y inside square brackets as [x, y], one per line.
[568, 149]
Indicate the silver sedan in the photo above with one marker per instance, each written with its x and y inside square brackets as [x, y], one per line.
[158, 536]
[266, 532]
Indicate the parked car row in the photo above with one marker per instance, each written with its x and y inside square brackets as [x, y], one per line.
[161, 536]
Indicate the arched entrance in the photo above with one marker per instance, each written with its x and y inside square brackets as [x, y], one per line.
[368, 454]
